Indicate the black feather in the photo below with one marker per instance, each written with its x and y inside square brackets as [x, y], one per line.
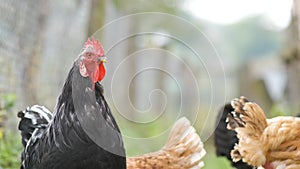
[225, 139]
[33, 118]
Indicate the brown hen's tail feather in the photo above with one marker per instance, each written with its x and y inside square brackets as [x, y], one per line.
[184, 140]
[183, 150]
[249, 121]
[246, 115]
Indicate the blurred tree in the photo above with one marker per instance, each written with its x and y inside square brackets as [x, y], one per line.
[31, 68]
[21, 38]
[66, 30]
[97, 16]
[254, 87]
[253, 45]
[251, 38]
[136, 6]
[291, 57]
[37, 38]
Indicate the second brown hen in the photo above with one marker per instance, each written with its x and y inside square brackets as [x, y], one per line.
[270, 143]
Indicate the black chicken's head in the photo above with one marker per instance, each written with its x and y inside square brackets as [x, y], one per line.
[91, 61]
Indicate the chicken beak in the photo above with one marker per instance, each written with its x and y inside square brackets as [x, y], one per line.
[102, 59]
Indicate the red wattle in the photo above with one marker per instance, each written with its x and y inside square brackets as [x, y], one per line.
[101, 71]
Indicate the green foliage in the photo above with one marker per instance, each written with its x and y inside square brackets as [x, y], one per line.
[8, 101]
[10, 150]
[278, 110]
[252, 38]
[141, 138]
[148, 6]
[10, 142]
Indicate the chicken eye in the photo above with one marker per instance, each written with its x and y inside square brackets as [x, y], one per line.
[89, 55]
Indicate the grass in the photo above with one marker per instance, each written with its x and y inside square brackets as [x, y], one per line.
[10, 150]
[10, 142]
[211, 161]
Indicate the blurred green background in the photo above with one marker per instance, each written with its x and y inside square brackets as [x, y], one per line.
[167, 58]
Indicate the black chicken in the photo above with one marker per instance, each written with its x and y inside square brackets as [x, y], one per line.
[226, 139]
[183, 149]
[83, 133]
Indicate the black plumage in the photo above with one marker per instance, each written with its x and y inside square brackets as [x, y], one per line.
[225, 139]
[82, 133]
[33, 118]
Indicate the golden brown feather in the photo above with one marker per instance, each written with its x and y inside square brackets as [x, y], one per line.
[272, 143]
[183, 150]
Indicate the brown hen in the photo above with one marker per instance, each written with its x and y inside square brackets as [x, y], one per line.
[270, 143]
[183, 150]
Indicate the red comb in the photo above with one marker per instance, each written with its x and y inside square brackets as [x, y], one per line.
[96, 45]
